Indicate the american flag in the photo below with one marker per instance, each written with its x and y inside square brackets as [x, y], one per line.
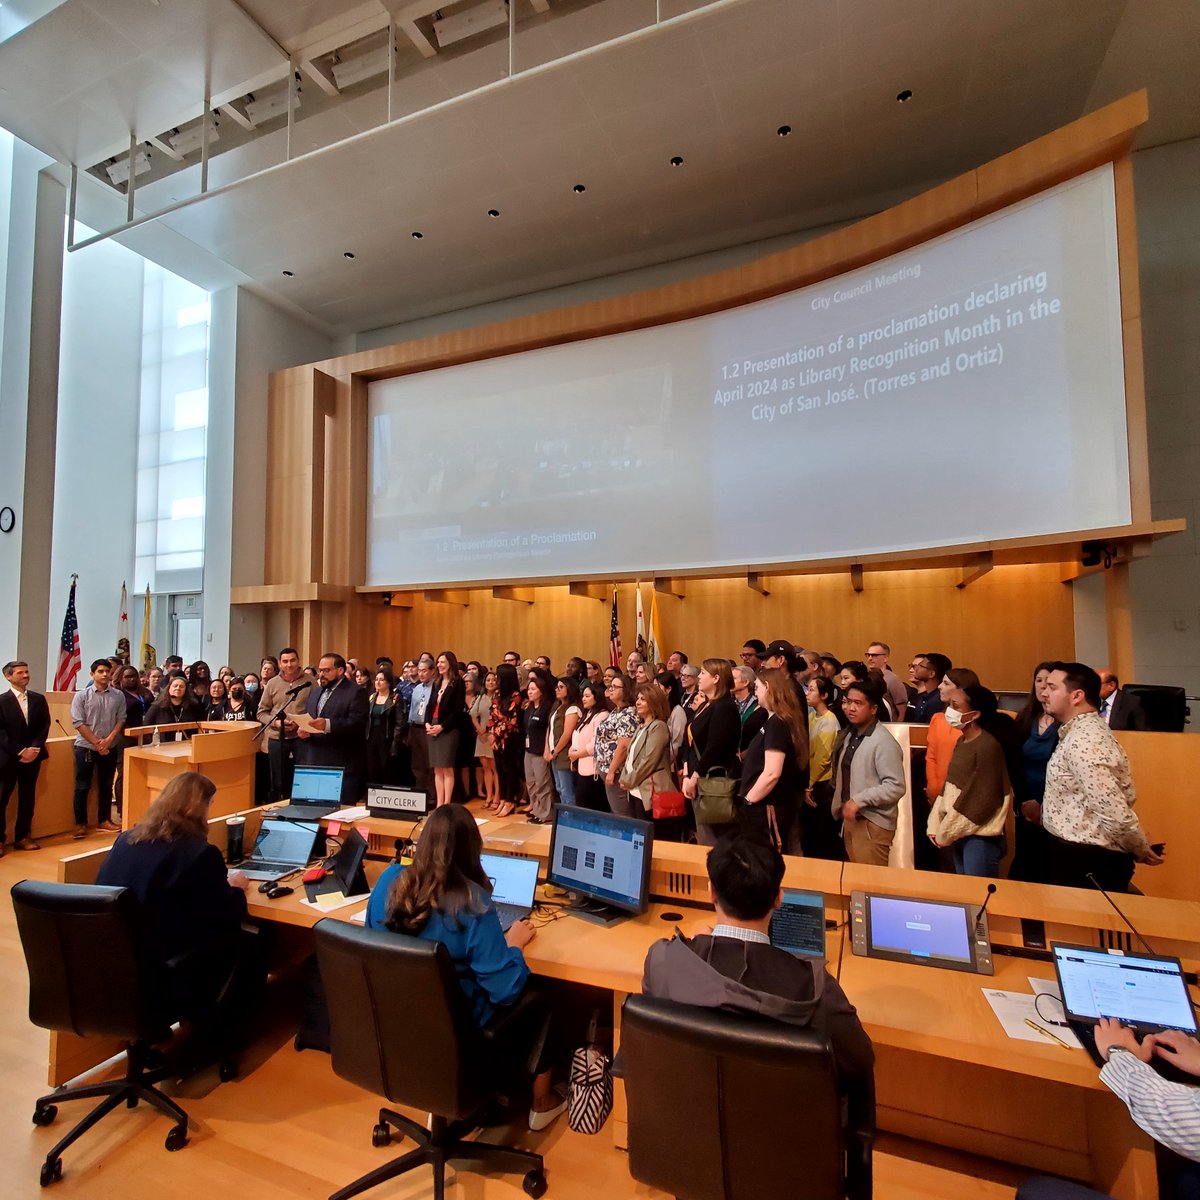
[68, 648]
[614, 635]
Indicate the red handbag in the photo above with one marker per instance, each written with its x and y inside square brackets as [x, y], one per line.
[664, 805]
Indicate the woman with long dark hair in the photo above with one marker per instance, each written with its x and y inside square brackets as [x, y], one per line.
[445, 896]
[775, 763]
[1038, 733]
[479, 712]
[564, 719]
[589, 786]
[535, 725]
[174, 706]
[818, 830]
[443, 724]
[613, 736]
[504, 728]
[383, 715]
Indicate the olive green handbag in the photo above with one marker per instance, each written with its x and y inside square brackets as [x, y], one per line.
[713, 804]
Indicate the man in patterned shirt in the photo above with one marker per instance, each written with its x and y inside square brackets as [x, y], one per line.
[1088, 804]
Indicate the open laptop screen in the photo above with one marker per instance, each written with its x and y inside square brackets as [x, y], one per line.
[317, 785]
[1143, 990]
[514, 880]
[285, 841]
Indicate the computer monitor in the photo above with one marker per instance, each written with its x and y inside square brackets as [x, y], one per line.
[604, 859]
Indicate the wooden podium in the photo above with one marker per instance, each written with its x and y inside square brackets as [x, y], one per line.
[224, 751]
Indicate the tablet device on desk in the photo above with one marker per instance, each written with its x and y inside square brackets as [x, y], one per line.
[932, 933]
[1145, 991]
[798, 924]
[345, 873]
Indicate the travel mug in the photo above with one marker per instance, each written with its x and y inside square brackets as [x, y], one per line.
[235, 829]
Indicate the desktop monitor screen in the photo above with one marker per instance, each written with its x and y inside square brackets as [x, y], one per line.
[602, 856]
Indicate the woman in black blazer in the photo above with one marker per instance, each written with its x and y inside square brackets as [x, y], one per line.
[443, 724]
[711, 742]
[174, 706]
[192, 906]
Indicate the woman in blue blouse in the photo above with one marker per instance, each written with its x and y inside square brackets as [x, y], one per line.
[445, 896]
[1038, 734]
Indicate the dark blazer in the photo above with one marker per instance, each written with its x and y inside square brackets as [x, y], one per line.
[452, 707]
[16, 734]
[182, 888]
[159, 713]
[345, 744]
[1126, 713]
[713, 739]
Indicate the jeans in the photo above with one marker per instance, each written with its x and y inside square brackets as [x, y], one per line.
[564, 784]
[104, 767]
[979, 855]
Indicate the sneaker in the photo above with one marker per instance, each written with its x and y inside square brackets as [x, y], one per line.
[539, 1120]
[109, 826]
[80, 832]
[26, 844]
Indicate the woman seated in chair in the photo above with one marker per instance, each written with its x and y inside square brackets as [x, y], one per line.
[193, 907]
[445, 896]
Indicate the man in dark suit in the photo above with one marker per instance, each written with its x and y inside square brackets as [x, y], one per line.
[1119, 709]
[24, 727]
[339, 710]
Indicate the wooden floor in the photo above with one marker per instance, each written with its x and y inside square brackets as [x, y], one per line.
[289, 1127]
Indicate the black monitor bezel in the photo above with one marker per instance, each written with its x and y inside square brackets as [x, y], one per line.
[618, 822]
[970, 915]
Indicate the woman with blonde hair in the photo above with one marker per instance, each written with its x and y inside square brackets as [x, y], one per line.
[775, 765]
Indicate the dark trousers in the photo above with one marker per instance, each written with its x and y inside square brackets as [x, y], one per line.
[1068, 864]
[23, 777]
[820, 834]
[755, 820]
[282, 756]
[589, 793]
[510, 763]
[418, 744]
[104, 767]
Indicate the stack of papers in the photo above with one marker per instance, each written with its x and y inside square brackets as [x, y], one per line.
[1014, 1011]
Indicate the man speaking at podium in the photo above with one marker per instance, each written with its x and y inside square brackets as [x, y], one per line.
[338, 737]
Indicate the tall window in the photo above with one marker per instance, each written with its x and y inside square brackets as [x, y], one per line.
[172, 432]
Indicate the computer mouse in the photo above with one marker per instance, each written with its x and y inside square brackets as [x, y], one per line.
[266, 886]
[279, 890]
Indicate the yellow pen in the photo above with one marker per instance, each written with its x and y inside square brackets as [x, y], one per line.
[1053, 1037]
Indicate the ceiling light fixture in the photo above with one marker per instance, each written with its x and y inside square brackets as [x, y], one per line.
[493, 212]
[579, 189]
[903, 97]
[289, 274]
[417, 235]
[677, 161]
[784, 130]
[347, 253]
[472, 21]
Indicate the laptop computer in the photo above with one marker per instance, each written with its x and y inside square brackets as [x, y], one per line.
[316, 792]
[798, 924]
[280, 848]
[1147, 992]
[514, 881]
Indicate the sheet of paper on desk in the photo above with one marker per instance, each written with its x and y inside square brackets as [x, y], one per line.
[333, 900]
[359, 918]
[348, 815]
[1045, 987]
[1013, 1009]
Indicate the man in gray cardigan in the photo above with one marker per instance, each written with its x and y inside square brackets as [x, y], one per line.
[868, 777]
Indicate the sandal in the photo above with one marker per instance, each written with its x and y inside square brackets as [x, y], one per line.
[506, 809]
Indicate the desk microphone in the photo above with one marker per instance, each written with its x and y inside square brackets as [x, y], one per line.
[293, 692]
[64, 728]
[979, 926]
[1145, 944]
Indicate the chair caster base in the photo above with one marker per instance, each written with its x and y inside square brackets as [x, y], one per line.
[44, 1114]
[177, 1138]
[51, 1172]
[534, 1184]
[381, 1135]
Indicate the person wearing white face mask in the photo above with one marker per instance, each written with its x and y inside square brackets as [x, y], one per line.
[969, 815]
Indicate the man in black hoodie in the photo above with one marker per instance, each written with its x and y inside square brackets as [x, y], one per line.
[736, 967]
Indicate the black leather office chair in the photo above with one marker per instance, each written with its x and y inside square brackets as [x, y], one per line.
[91, 973]
[730, 1107]
[400, 1026]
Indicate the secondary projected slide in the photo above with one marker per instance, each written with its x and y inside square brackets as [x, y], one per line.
[969, 389]
[920, 929]
[605, 863]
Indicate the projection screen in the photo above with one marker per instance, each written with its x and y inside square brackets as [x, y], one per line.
[970, 389]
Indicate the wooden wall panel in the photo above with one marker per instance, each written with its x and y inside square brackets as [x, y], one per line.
[986, 626]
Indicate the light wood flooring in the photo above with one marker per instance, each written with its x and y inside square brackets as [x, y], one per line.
[289, 1127]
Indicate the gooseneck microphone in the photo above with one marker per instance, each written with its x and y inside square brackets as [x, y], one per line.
[991, 891]
[293, 692]
[1095, 883]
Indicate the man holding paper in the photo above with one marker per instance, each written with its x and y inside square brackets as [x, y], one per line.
[335, 733]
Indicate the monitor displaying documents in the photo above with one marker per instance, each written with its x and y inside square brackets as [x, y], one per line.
[1146, 991]
[604, 859]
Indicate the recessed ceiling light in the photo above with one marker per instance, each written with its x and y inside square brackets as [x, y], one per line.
[289, 274]
[784, 130]
[493, 212]
[417, 235]
[579, 189]
[677, 161]
[347, 253]
[903, 97]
